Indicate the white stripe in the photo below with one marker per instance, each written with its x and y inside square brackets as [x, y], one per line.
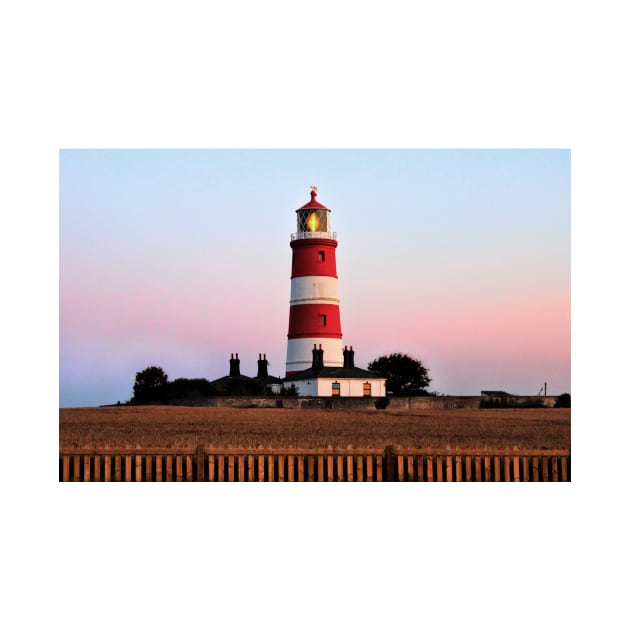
[300, 353]
[314, 290]
[318, 300]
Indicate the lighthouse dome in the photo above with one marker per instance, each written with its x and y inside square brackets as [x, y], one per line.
[313, 203]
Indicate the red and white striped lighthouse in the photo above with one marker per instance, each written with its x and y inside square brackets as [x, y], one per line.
[314, 312]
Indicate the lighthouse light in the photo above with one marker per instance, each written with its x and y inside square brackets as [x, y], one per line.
[312, 222]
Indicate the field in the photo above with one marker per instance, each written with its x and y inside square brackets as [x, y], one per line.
[224, 426]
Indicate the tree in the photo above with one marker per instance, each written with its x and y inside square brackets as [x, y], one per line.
[564, 400]
[150, 385]
[405, 376]
[189, 388]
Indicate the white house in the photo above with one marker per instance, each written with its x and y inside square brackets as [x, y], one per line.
[346, 381]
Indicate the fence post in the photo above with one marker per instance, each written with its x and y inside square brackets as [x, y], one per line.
[390, 464]
[359, 467]
[179, 468]
[330, 467]
[241, 468]
[350, 465]
[564, 468]
[261, 466]
[201, 472]
[251, 471]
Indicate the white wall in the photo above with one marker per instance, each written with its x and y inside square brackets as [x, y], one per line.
[305, 388]
[350, 387]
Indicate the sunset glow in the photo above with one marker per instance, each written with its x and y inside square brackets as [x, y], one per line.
[458, 258]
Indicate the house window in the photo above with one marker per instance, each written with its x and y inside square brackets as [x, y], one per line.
[367, 389]
[336, 389]
[322, 320]
[321, 256]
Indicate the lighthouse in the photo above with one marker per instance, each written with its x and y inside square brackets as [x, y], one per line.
[314, 321]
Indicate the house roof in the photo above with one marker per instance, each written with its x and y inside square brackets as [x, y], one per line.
[269, 380]
[239, 377]
[332, 372]
[491, 392]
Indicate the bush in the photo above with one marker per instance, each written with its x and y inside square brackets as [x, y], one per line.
[381, 403]
[292, 390]
[564, 400]
[189, 388]
[243, 386]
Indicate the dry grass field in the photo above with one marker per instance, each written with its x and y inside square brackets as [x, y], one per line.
[224, 426]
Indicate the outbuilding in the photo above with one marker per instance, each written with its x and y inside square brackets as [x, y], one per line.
[345, 381]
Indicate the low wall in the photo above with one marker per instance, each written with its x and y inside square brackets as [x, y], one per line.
[411, 402]
[461, 402]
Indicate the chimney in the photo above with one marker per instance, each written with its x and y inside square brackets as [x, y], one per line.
[320, 357]
[351, 357]
[235, 363]
[262, 366]
[314, 366]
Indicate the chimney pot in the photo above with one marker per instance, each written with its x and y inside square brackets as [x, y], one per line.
[262, 367]
[234, 365]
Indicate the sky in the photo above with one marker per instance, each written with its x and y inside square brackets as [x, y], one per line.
[178, 258]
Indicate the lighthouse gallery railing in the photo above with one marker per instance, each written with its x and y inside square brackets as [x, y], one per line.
[327, 235]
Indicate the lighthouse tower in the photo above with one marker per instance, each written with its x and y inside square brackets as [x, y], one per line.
[314, 321]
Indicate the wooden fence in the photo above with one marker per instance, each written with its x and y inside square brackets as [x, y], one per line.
[348, 464]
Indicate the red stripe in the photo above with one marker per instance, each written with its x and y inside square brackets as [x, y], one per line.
[305, 320]
[307, 257]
